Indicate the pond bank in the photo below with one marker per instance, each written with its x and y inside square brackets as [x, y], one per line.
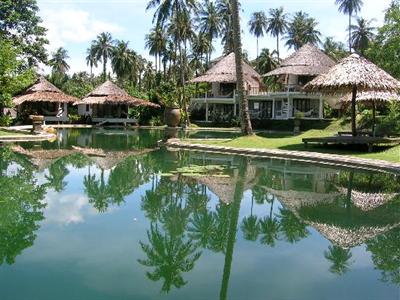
[316, 157]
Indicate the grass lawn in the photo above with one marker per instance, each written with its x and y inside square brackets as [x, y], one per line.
[286, 141]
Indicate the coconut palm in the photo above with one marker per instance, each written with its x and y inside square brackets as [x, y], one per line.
[258, 25]
[224, 8]
[277, 24]
[245, 116]
[170, 256]
[267, 61]
[156, 41]
[270, 227]
[362, 33]
[91, 59]
[123, 60]
[349, 7]
[339, 258]
[58, 61]
[97, 191]
[334, 49]
[209, 23]
[103, 47]
[302, 30]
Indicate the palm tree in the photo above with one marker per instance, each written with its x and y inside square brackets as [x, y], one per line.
[201, 227]
[224, 8]
[245, 116]
[334, 49]
[302, 30]
[210, 23]
[91, 59]
[58, 61]
[250, 226]
[270, 227]
[123, 60]
[156, 42]
[57, 174]
[340, 259]
[291, 227]
[349, 7]
[103, 47]
[267, 61]
[277, 24]
[362, 34]
[258, 24]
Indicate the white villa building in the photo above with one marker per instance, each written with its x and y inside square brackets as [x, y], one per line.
[294, 72]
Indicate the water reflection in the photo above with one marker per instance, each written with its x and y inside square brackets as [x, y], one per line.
[263, 202]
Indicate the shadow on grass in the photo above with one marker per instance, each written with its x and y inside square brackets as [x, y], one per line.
[336, 149]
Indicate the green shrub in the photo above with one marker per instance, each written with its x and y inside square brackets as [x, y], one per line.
[5, 120]
[390, 124]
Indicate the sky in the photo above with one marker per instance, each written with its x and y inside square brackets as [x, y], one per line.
[73, 24]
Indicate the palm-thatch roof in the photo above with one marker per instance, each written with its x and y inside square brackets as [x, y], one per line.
[308, 60]
[353, 71]
[43, 91]
[372, 96]
[110, 93]
[224, 71]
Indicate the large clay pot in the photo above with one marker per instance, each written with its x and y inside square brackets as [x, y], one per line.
[172, 117]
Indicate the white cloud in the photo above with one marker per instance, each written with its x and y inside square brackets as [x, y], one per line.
[67, 26]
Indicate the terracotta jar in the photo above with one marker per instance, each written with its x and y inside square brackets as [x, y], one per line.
[172, 117]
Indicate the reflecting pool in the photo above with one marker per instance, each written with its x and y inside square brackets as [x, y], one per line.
[106, 214]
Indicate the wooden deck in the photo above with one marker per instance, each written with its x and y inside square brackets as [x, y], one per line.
[350, 140]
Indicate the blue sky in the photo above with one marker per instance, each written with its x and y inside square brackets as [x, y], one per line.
[72, 24]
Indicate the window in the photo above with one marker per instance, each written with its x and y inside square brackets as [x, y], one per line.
[256, 106]
[87, 107]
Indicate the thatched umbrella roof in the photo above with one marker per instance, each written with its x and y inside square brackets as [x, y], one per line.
[308, 60]
[372, 96]
[110, 93]
[353, 71]
[352, 75]
[43, 91]
[224, 71]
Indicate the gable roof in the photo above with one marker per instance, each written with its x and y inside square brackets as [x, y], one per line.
[308, 60]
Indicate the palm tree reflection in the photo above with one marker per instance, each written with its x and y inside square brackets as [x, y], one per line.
[340, 259]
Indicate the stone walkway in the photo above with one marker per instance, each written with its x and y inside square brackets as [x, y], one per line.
[314, 157]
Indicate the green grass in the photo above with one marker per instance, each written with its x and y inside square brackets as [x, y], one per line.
[287, 141]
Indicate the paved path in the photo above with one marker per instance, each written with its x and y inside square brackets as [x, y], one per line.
[315, 157]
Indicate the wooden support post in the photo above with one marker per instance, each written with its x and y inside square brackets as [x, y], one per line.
[353, 111]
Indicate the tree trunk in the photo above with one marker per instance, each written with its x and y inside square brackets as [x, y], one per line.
[104, 68]
[353, 111]
[277, 47]
[237, 42]
[350, 32]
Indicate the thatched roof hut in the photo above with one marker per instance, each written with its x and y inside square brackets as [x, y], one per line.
[224, 71]
[110, 93]
[352, 75]
[43, 91]
[308, 60]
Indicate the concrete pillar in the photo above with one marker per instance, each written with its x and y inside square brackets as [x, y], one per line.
[273, 108]
[321, 107]
[206, 111]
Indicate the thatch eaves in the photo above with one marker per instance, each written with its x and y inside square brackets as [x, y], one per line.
[353, 71]
[110, 93]
[371, 96]
[224, 71]
[43, 91]
[308, 60]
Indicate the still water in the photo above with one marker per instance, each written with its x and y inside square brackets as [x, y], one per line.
[105, 214]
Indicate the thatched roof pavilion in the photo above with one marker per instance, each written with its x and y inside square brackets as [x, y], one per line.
[224, 71]
[352, 75]
[43, 91]
[308, 60]
[110, 93]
